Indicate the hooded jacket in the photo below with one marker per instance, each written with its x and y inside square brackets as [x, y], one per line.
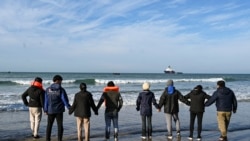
[170, 98]
[55, 99]
[144, 103]
[197, 98]
[225, 100]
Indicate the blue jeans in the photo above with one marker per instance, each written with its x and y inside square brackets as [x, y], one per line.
[146, 125]
[111, 116]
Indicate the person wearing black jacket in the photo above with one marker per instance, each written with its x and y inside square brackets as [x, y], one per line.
[170, 98]
[83, 102]
[226, 103]
[144, 104]
[36, 98]
[197, 99]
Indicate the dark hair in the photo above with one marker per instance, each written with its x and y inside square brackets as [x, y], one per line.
[38, 79]
[110, 84]
[83, 86]
[221, 83]
[57, 77]
[198, 87]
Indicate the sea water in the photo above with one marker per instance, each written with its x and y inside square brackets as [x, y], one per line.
[13, 84]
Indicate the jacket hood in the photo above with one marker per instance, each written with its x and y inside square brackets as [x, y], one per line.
[55, 86]
[224, 91]
[170, 89]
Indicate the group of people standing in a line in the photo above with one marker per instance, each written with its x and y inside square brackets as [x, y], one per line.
[54, 99]
[197, 99]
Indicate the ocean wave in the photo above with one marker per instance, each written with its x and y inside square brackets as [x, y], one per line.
[28, 82]
[139, 81]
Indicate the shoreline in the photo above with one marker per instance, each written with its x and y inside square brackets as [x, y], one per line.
[15, 125]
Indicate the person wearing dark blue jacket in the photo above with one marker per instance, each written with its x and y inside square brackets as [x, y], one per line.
[54, 105]
[226, 103]
[144, 104]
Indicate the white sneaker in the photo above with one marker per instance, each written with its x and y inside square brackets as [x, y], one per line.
[143, 137]
[190, 138]
[170, 137]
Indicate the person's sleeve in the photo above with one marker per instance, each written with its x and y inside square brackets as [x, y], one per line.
[24, 98]
[211, 100]
[120, 102]
[65, 99]
[100, 101]
[234, 103]
[138, 102]
[45, 107]
[183, 99]
[154, 102]
[92, 103]
[42, 97]
[72, 108]
[162, 100]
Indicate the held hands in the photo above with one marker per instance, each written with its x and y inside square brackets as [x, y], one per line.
[159, 110]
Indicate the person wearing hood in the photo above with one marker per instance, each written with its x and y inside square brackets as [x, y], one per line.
[197, 99]
[226, 103]
[170, 98]
[56, 100]
[36, 97]
[144, 104]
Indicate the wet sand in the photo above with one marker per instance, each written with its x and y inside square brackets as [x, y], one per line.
[14, 126]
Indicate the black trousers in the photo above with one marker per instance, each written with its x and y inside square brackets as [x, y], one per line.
[199, 122]
[50, 121]
[146, 125]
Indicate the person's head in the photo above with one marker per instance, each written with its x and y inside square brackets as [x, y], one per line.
[110, 84]
[198, 88]
[170, 83]
[221, 83]
[38, 79]
[57, 79]
[145, 86]
[83, 86]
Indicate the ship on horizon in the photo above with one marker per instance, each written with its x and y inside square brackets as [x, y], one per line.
[169, 70]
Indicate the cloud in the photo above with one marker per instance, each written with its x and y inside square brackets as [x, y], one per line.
[124, 34]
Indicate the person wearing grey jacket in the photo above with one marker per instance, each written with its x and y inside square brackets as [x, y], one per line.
[170, 100]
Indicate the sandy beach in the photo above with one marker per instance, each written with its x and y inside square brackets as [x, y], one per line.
[14, 126]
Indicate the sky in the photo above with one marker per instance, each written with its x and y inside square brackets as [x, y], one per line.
[125, 36]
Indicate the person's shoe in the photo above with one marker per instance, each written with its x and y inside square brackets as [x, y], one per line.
[178, 134]
[143, 137]
[222, 138]
[170, 137]
[149, 137]
[36, 137]
[190, 138]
